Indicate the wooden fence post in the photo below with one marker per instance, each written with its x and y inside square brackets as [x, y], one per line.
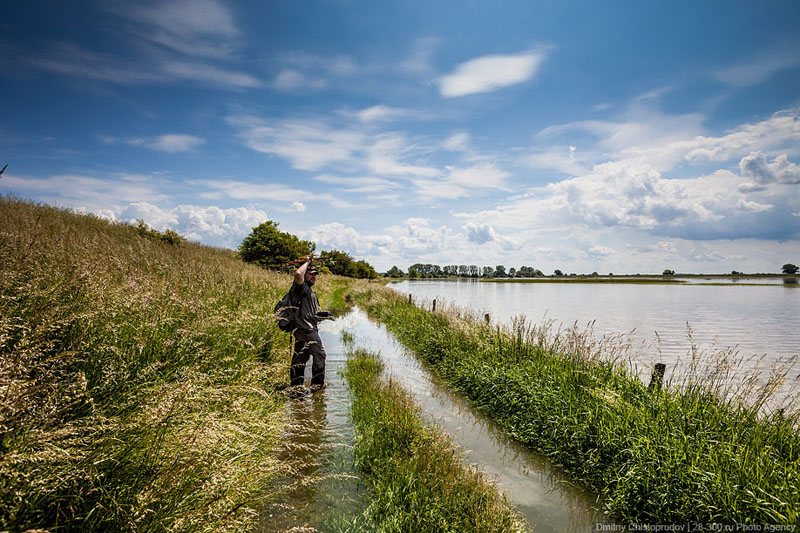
[409, 298]
[434, 305]
[487, 318]
[657, 378]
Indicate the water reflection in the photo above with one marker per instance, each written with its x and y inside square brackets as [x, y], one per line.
[323, 490]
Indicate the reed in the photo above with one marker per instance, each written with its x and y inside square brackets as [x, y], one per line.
[417, 476]
[699, 450]
[138, 378]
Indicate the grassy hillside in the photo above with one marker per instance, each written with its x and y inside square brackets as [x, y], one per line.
[138, 378]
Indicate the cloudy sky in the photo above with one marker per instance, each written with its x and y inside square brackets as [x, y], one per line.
[614, 136]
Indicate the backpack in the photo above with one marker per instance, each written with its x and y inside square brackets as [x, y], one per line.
[286, 313]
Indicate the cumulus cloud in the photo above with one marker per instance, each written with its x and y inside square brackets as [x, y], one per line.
[340, 237]
[491, 73]
[483, 233]
[756, 166]
[632, 194]
[211, 225]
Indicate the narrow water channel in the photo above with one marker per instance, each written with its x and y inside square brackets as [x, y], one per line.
[548, 501]
[324, 491]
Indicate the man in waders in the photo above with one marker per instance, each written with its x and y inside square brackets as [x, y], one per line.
[306, 337]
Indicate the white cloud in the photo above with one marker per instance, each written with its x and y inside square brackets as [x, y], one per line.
[173, 41]
[755, 165]
[175, 143]
[307, 144]
[211, 225]
[241, 190]
[759, 69]
[556, 158]
[347, 239]
[490, 73]
[172, 142]
[457, 142]
[632, 194]
[202, 72]
[94, 194]
[386, 153]
[381, 113]
[483, 233]
[189, 27]
[416, 237]
[419, 62]
[481, 176]
[75, 61]
[359, 184]
[288, 79]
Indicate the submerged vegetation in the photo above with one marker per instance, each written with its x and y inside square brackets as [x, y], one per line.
[417, 477]
[699, 450]
[139, 378]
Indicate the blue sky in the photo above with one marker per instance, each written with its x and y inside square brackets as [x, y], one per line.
[586, 136]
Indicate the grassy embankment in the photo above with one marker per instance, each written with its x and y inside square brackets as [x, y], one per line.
[673, 456]
[138, 379]
[417, 477]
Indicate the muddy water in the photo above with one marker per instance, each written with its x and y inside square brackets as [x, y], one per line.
[539, 491]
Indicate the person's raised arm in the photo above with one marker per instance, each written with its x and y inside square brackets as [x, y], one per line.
[300, 273]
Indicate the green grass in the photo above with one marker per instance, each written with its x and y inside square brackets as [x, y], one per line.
[701, 451]
[418, 480]
[139, 378]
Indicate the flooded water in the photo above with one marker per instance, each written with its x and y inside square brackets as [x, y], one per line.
[325, 490]
[753, 320]
[547, 500]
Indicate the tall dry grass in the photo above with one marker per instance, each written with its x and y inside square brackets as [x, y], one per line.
[138, 378]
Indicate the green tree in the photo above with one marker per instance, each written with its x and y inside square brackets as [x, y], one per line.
[789, 268]
[395, 272]
[668, 272]
[338, 262]
[500, 271]
[269, 247]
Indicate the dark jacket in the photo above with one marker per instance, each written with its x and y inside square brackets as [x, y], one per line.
[305, 297]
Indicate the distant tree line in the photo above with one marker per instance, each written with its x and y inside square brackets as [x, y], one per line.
[427, 270]
[271, 248]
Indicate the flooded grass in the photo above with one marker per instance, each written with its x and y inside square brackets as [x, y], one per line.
[138, 378]
[417, 477]
[700, 450]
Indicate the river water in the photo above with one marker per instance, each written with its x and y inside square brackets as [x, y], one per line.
[759, 323]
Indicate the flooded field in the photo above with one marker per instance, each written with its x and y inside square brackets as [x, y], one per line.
[660, 322]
